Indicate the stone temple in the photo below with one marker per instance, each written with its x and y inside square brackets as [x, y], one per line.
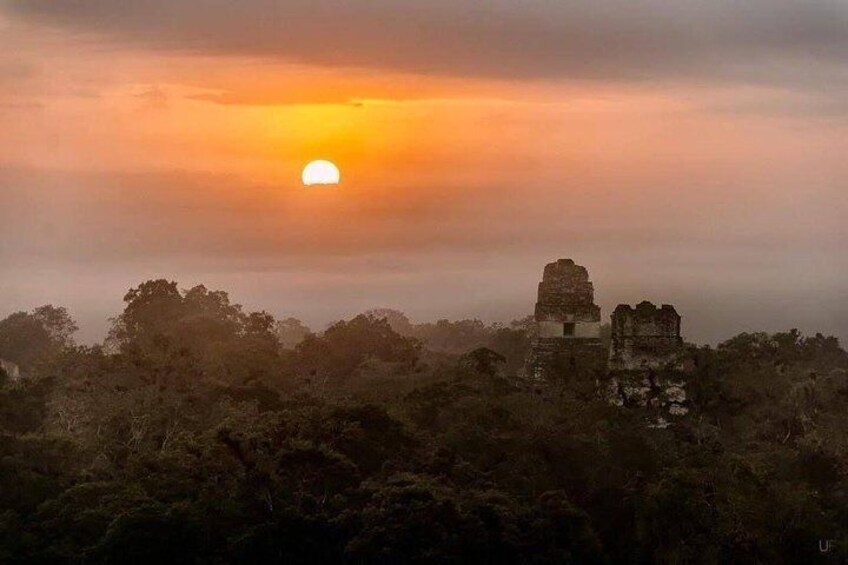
[645, 364]
[568, 324]
[645, 337]
[647, 360]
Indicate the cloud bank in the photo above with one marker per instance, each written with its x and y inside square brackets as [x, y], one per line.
[784, 41]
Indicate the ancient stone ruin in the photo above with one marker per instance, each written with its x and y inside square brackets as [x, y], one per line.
[645, 337]
[645, 363]
[568, 324]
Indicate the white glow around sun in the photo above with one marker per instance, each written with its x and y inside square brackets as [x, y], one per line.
[321, 172]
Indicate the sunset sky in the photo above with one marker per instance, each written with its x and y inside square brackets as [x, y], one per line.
[686, 152]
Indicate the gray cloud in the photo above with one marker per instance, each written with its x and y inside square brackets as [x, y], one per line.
[798, 43]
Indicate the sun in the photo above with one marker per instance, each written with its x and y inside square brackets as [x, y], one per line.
[321, 172]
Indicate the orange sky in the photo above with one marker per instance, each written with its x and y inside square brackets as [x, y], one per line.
[723, 193]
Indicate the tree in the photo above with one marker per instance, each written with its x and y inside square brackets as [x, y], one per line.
[454, 337]
[342, 349]
[58, 324]
[195, 331]
[513, 344]
[290, 332]
[396, 319]
[157, 315]
[30, 338]
[483, 360]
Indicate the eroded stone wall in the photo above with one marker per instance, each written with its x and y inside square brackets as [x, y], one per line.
[644, 337]
[647, 361]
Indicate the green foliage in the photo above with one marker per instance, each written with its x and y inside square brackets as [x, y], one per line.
[483, 360]
[397, 320]
[454, 337]
[176, 333]
[190, 440]
[345, 346]
[463, 336]
[30, 339]
[513, 345]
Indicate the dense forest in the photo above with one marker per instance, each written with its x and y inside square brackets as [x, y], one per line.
[202, 433]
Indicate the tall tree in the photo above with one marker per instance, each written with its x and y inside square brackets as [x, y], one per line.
[27, 338]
